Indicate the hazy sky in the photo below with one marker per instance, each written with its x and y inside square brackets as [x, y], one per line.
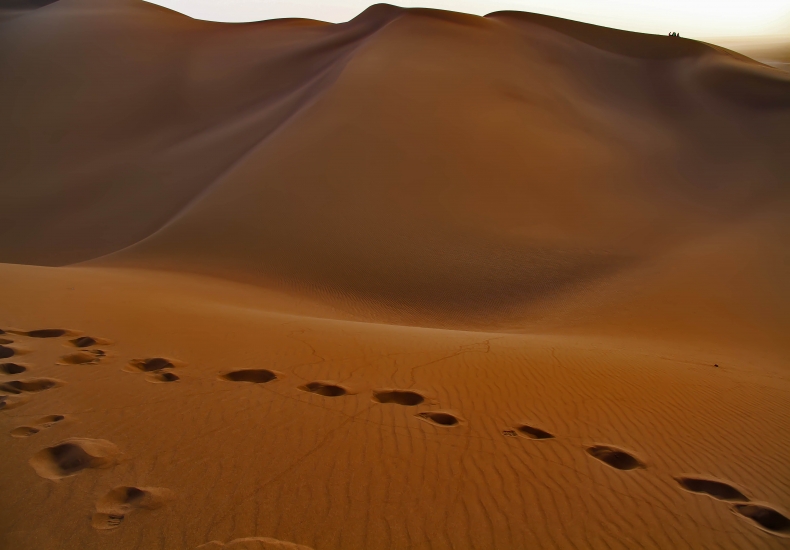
[692, 18]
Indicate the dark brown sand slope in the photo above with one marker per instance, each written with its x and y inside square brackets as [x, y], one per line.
[421, 280]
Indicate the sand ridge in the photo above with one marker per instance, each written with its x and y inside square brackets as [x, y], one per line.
[528, 422]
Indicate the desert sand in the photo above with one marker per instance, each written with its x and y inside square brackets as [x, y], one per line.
[419, 280]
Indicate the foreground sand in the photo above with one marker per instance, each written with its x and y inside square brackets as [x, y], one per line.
[421, 280]
[270, 460]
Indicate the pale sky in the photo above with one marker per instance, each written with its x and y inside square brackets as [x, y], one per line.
[691, 18]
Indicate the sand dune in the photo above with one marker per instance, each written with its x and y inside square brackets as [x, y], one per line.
[420, 280]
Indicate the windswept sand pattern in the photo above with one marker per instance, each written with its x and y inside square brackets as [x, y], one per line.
[525, 473]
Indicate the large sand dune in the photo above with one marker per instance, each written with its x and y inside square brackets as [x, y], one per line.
[420, 280]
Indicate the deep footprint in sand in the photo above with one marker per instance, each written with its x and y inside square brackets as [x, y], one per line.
[86, 357]
[717, 489]
[88, 341]
[154, 364]
[398, 397]
[256, 376]
[531, 432]
[765, 518]
[116, 505]
[439, 418]
[326, 389]
[31, 385]
[45, 333]
[162, 377]
[41, 424]
[6, 352]
[12, 368]
[614, 457]
[72, 456]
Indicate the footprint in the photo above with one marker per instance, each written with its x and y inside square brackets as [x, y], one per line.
[154, 364]
[717, 489]
[616, 458]
[766, 518]
[71, 456]
[439, 418]
[256, 376]
[31, 385]
[162, 377]
[83, 342]
[6, 341]
[6, 352]
[113, 507]
[24, 431]
[50, 420]
[8, 402]
[41, 424]
[327, 389]
[398, 397]
[88, 341]
[533, 433]
[12, 368]
[86, 357]
[46, 333]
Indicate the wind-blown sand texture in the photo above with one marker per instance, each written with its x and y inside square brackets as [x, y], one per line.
[420, 280]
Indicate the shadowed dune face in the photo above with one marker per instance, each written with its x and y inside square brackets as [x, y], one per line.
[506, 171]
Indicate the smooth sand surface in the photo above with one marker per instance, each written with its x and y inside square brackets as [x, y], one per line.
[421, 280]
